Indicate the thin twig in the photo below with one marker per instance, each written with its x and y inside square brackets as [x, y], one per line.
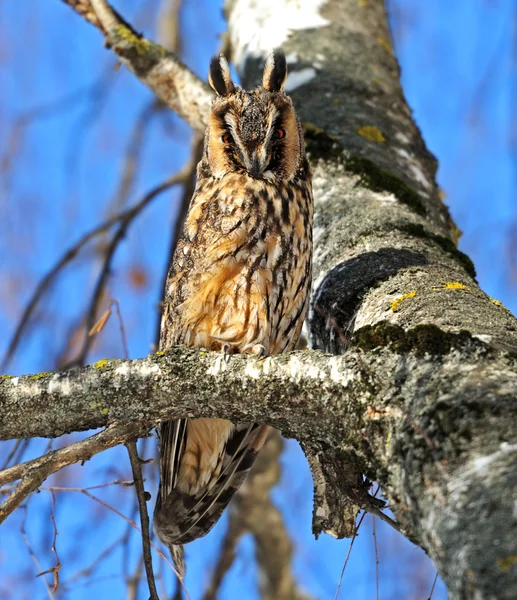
[34, 472]
[44, 284]
[11, 454]
[375, 545]
[383, 517]
[88, 571]
[55, 569]
[348, 556]
[132, 155]
[128, 520]
[122, 330]
[32, 553]
[136, 467]
[351, 545]
[433, 586]
[124, 219]
[125, 222]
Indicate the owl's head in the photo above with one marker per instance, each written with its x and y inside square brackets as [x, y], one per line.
[256, 132]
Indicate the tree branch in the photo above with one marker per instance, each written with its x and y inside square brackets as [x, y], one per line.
[34, 472]
[161, 71]
[144, 516]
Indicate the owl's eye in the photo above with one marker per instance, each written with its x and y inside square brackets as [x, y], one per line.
[279, 134]
[226, 138]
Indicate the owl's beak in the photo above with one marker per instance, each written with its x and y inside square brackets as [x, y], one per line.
[256, 166]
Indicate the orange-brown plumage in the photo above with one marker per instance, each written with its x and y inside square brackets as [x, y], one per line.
[239, 282]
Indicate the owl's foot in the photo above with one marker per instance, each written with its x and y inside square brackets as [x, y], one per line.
[227, 353]
[259, 351]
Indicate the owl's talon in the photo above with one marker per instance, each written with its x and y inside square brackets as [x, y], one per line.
[227, 353]
[259, 351]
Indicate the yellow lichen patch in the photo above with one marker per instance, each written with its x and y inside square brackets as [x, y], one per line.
[315, 130]
[396, 303]
[371, 133]
[160, 353]
[39, 376]
[453, 285]
[496, 302]
[100, 364]
[385, 44]
[6, 377]
[140, 44]
[505, 564]
[388, 440]
[362, 3]
[98, 406]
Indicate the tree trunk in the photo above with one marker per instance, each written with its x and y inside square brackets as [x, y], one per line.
[386, 267]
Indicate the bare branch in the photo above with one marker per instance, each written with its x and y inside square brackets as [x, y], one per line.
[34, 472]
[144, 516]
[158, 69]
[118, 236]
[85, 9]
[124, 220]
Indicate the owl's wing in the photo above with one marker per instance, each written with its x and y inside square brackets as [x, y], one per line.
[172, 443]
[181, 517]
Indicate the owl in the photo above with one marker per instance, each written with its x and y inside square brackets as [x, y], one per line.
[239, 282]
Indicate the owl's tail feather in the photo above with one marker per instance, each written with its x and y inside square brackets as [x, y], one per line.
[178, 558]
[180, 517]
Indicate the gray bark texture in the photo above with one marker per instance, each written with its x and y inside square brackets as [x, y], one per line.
[412, 381]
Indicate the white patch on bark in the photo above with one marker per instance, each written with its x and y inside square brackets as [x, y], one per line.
[482, 462]
[218, 367]
[253, 370]
[297, 78]
[60, 385]
[298, 369]
[417, 172]
[402, 138]
[258, 26]
[148, 369]
[385, 197]
[143, 370]
[483, 337]
[338, 375]
[122, 370]
[317, 232]
[476, 467]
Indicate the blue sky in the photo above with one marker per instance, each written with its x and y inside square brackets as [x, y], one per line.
[61, 172]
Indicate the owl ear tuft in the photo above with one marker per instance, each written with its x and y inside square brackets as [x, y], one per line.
[219, 76]
[275, 71]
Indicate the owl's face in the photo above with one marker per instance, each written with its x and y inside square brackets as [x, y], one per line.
[254, 133]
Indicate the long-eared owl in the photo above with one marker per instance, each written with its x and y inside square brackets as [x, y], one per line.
[239, 282]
